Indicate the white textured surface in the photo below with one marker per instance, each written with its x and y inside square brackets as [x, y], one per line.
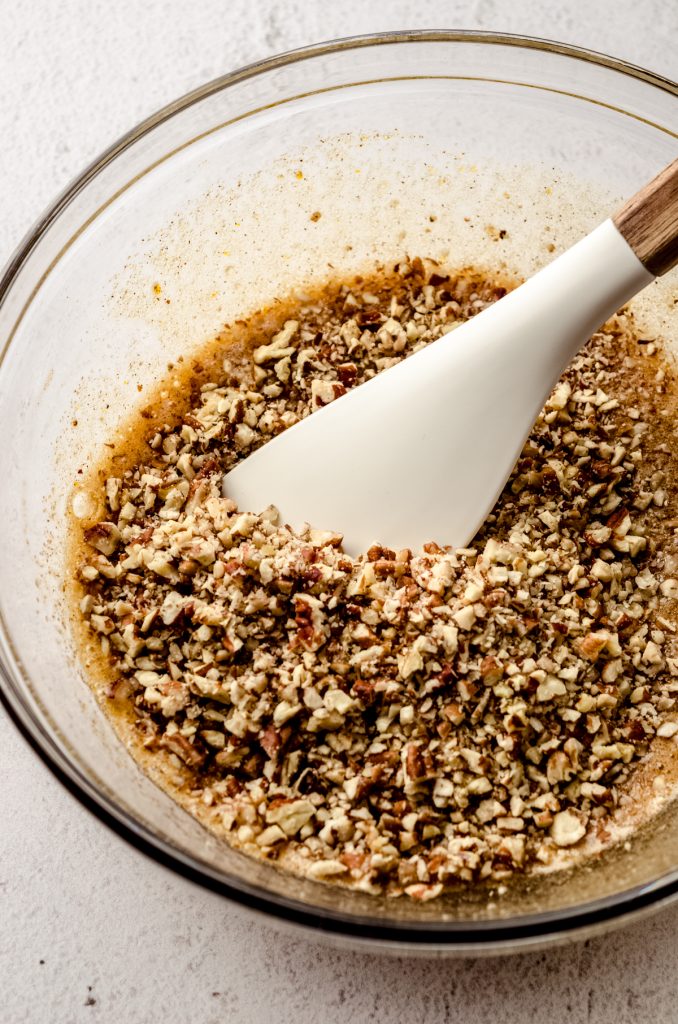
[90, 930]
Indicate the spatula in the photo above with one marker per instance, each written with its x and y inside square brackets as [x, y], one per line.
[421, 451]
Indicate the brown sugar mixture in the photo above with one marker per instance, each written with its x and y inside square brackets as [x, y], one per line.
[403, 721]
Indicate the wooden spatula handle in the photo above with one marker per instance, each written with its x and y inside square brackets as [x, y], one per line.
[649, 222]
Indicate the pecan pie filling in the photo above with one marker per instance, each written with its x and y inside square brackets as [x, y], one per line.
[403, 721]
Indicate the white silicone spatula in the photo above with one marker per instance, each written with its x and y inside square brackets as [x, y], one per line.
[422, 451]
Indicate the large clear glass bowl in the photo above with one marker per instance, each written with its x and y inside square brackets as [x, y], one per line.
[427, 143]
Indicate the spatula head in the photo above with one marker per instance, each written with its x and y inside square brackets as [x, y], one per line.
[422, 451]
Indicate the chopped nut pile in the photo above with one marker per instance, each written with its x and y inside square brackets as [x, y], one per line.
[402, 721]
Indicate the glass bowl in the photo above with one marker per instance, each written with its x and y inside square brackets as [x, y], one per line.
[467, 147]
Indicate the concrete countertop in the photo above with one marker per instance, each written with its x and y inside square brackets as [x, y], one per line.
[91, 930]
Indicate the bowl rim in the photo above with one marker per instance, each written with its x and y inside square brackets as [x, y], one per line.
[511, 934]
